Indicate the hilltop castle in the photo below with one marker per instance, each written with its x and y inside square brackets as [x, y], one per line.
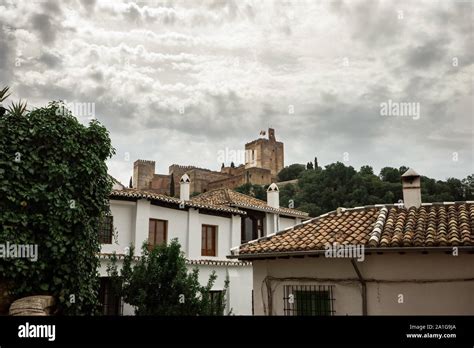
[264, 158]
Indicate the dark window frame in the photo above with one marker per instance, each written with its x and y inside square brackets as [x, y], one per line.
[165, 229]
[257, 227]
[106, 229]
[111, 303]
[207, 250]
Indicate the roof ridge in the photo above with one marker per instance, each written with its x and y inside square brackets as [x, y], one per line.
[392, 205]
[169, 199]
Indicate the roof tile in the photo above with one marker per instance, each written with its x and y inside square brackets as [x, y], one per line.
[448, 224]
[231, 198]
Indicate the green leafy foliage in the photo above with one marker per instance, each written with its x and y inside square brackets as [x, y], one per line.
[54, 187]
[322, 190]
[17, 109]
[256, 191]
[291, 172]
[158, 283]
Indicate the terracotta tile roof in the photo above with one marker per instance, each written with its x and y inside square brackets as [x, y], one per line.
[231, 198]
[134, 193]
[390, 226]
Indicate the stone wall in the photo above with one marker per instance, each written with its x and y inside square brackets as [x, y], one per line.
[143, 172]
[254, 176]
[161, 184]
[200, 177]
[266, 153]
[264, 160]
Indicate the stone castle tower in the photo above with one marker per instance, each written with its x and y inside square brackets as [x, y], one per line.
[265, 153]
[264, 158]
[143, 172]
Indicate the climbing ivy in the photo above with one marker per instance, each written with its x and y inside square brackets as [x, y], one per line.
[53, 189]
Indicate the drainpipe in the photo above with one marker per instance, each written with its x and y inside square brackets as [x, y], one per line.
[364, 287]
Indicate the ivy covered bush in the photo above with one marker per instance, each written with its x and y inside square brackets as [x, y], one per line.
[54, 187]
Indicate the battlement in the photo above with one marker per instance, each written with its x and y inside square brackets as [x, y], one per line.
[271, 138]
[143, 171]
[146, 162]
[182, 167]
[263, 160]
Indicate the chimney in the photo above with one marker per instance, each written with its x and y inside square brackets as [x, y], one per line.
[184, 187]
[273, 196]
[411, 189]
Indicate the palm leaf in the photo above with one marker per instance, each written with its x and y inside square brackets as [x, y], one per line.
[3, 94]
[17, 109]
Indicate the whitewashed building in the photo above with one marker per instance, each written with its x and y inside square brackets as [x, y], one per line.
[411, 258]
[207, 227]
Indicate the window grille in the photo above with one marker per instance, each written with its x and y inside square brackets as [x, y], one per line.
[106, 227]
[312, 300]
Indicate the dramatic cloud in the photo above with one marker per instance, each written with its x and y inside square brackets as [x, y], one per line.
[178, 81]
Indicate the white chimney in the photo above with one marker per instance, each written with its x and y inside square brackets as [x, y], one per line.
[273, 196]
[411, 184]
[184, 187]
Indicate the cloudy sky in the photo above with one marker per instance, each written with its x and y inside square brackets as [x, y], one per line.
[181, 81]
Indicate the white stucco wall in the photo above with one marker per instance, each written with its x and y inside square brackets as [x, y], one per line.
[131, 221]
[269, 224]
[447, 298]
[224, 232]
[123, 213]
[239, 293]
[177, 223]
[286, 222]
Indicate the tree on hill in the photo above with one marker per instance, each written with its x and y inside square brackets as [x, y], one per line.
[159, 283]
[257, 191]
[54, 188]
[287, 193]
[291, 172]
[337, 185]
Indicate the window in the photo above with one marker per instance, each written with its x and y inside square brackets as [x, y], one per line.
[308, 300]
[106, 227]
[216, 299]
[252, 227]
[157, 232]
[208, 240]
[111, 302]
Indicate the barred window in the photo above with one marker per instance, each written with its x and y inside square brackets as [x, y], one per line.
[308, 300]
[106, 227]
